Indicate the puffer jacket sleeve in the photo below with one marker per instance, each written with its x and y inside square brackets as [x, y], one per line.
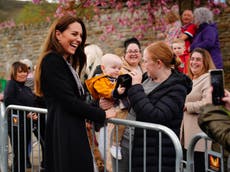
[158, 107]
[215, 122]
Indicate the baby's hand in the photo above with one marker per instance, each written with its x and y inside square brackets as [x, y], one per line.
[120, 90]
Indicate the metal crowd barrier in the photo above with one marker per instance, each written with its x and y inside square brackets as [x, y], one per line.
[4, 163]
[149, 126]
[7, 155]
[3, 139]
[213, 160]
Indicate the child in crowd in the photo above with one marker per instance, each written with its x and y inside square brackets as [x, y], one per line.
[173, 27]
[178, 47]
[104, 86]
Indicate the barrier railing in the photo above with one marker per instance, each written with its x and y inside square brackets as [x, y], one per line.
[213, 160]
[156, 127]
[3, 139]
[19, 127]
[130, 124]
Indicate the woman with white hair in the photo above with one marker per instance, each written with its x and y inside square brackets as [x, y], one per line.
[207, 35]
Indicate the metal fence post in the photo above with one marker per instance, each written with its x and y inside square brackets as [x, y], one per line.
[3, 139]
[191, 150]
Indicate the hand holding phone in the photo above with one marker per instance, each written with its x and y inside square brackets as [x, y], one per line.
[217, 82]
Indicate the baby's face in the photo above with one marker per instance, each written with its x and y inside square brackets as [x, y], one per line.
[178, 48]
[113, 69]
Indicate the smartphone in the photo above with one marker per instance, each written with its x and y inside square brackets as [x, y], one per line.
[217, 82]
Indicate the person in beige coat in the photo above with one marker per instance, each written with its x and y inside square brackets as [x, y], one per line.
[200, 63]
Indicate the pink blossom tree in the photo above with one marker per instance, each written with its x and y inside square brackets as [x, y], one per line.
[140, 15]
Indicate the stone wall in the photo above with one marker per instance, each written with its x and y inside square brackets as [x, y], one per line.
[223, 22]
[25, 42]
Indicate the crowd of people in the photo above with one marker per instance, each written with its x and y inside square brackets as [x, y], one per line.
[168, 84]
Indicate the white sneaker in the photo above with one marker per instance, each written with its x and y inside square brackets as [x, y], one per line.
[113, 152]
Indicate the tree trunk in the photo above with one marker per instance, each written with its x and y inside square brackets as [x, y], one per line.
[185, 4]
[1, 4]
[189, 4]
[203, 3]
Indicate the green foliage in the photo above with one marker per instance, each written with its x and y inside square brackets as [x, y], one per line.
[32, 13]
[84, 12]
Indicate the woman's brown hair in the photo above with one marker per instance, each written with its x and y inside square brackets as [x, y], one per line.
[51, 44]
[17, 67]
[207, 61]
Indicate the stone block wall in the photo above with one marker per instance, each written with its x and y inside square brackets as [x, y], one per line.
[223, 22]
[26, 41]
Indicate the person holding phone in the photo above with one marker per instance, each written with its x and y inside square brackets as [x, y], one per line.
[217, 82]
[157, 99]
[200, 63]
[209, 123]
[215, 122]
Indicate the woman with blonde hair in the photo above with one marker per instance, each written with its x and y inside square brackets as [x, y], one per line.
[94, 54]
[173, 27]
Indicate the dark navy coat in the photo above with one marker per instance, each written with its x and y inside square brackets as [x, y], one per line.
[67, 146]
[164, 105]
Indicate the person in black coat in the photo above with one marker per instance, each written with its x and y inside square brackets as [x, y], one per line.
[66, 142]
[16, 93]
[158, 99]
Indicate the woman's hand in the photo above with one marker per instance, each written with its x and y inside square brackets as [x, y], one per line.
[136, 78]
[34, 116]
[226, 99]
[105, 103]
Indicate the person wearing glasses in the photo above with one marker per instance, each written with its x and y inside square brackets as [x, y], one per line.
[132, 62]
[159, 98]
[132, 56]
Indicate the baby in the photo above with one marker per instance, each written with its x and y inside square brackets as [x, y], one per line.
[104, 86]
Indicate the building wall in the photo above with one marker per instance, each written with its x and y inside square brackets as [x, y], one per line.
[26, 41]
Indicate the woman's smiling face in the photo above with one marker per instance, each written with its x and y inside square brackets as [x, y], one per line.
[196, 64]
[70, 38]
[21, 75]
[133, 54]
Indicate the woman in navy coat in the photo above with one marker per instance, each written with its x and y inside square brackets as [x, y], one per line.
[160, 100]
[67, 146]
